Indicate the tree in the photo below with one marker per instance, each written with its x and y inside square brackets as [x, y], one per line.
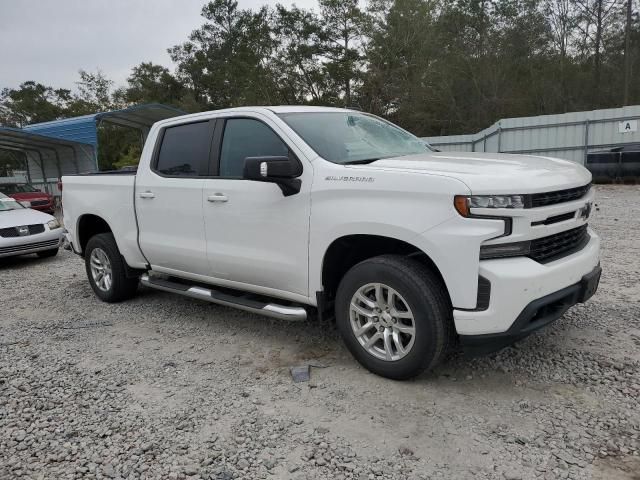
[151, 83]
[344, 25]
[597, 18]
[298, 58]
[225, 61]
[401, 53]
[32, 102]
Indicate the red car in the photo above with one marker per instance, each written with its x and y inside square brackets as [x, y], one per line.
[23, 192]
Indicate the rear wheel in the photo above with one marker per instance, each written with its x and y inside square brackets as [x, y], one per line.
[106, 270]
[47, 253]
[394, 316]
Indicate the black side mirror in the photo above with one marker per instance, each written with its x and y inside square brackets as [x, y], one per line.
[279, 170]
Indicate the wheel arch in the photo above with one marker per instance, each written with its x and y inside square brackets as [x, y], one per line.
[89, 225]
[348, 250]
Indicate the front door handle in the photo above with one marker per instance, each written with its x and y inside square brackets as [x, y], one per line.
[147, 195]
[218, 197]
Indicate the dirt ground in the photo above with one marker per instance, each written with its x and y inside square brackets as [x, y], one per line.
[168, 387]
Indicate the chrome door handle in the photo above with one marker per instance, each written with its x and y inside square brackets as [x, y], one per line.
[218, 197]
[147, 195]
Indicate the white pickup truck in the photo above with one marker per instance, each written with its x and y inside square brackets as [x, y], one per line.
[293, 211]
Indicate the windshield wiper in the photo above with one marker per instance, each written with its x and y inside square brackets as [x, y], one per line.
[360, 162]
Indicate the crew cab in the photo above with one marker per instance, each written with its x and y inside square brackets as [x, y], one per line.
[296, 211]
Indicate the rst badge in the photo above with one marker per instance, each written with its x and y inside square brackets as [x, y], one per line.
[23, 231]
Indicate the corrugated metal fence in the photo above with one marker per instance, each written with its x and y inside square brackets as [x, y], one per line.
[569, 135]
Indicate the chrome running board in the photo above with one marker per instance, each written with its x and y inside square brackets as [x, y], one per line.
[282, 312]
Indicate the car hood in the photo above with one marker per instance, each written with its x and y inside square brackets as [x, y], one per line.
[494, 173]
[23, 216]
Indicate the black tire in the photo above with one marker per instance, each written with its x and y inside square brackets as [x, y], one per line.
[47, 253]
[122, 287]
[428, 300]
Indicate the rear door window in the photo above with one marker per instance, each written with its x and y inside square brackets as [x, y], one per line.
[184, 151]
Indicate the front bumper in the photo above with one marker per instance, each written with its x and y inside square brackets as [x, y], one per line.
[519, 281]
[535, 316]
[48, 240]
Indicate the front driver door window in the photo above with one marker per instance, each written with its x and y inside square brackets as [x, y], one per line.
[245, 137]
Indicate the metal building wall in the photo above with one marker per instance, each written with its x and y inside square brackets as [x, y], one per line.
[570, 135]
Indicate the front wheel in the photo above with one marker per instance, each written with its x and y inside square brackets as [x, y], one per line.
[106, 270]
[394, 316]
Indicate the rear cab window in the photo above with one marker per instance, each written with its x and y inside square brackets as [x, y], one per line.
[184, 150]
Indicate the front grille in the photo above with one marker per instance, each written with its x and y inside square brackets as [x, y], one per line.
[9, 232]
[551, 248]
[28, 246]
[559, 196]
[12, 232]
[39, 203]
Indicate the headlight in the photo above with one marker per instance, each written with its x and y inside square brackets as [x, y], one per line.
[53, 224]
[464, 203]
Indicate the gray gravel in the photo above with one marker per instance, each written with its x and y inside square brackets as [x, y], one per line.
[167, 387]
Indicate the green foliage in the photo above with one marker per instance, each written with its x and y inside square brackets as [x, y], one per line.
[433, 66]
[118, 146]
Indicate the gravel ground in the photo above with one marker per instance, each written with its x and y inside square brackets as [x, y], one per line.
[167, 387]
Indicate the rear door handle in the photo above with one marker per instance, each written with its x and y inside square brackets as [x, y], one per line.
[147, 195]
[218, 197]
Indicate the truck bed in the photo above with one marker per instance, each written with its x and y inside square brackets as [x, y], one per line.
[110, 196]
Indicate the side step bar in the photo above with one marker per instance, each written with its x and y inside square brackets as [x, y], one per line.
[282, 312]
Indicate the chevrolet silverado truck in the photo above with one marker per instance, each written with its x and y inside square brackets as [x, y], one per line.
[292, 212]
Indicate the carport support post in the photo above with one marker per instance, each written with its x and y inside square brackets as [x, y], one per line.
[499, 137]
[26, 164]
[44, 175]
[58, 163]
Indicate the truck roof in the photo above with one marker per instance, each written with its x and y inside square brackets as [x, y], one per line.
[265, 109]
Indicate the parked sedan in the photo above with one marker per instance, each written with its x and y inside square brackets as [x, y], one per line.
[23, 192]
[24, 230]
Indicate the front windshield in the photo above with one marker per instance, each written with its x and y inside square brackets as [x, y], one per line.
[351, 137]
[11, 188]
[7, 204]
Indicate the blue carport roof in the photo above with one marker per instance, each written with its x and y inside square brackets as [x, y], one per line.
[84, 129]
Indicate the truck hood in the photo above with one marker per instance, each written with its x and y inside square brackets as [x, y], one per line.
[23, 216]
[494, 173]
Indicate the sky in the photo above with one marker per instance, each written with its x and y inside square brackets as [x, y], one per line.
[50, 40]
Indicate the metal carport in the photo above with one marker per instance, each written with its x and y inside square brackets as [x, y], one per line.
[48, 158]
[70, 145]
[85, 128]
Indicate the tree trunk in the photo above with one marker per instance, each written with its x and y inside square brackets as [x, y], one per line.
[596, 58]
[627, 55]
[347, 83]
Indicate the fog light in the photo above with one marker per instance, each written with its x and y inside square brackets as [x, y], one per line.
[504, 250]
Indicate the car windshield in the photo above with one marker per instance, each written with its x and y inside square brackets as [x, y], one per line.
[351, 137]
[11, 188]
[7, 204]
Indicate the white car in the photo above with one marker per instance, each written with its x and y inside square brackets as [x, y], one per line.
[23, 230]
[291, 211]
